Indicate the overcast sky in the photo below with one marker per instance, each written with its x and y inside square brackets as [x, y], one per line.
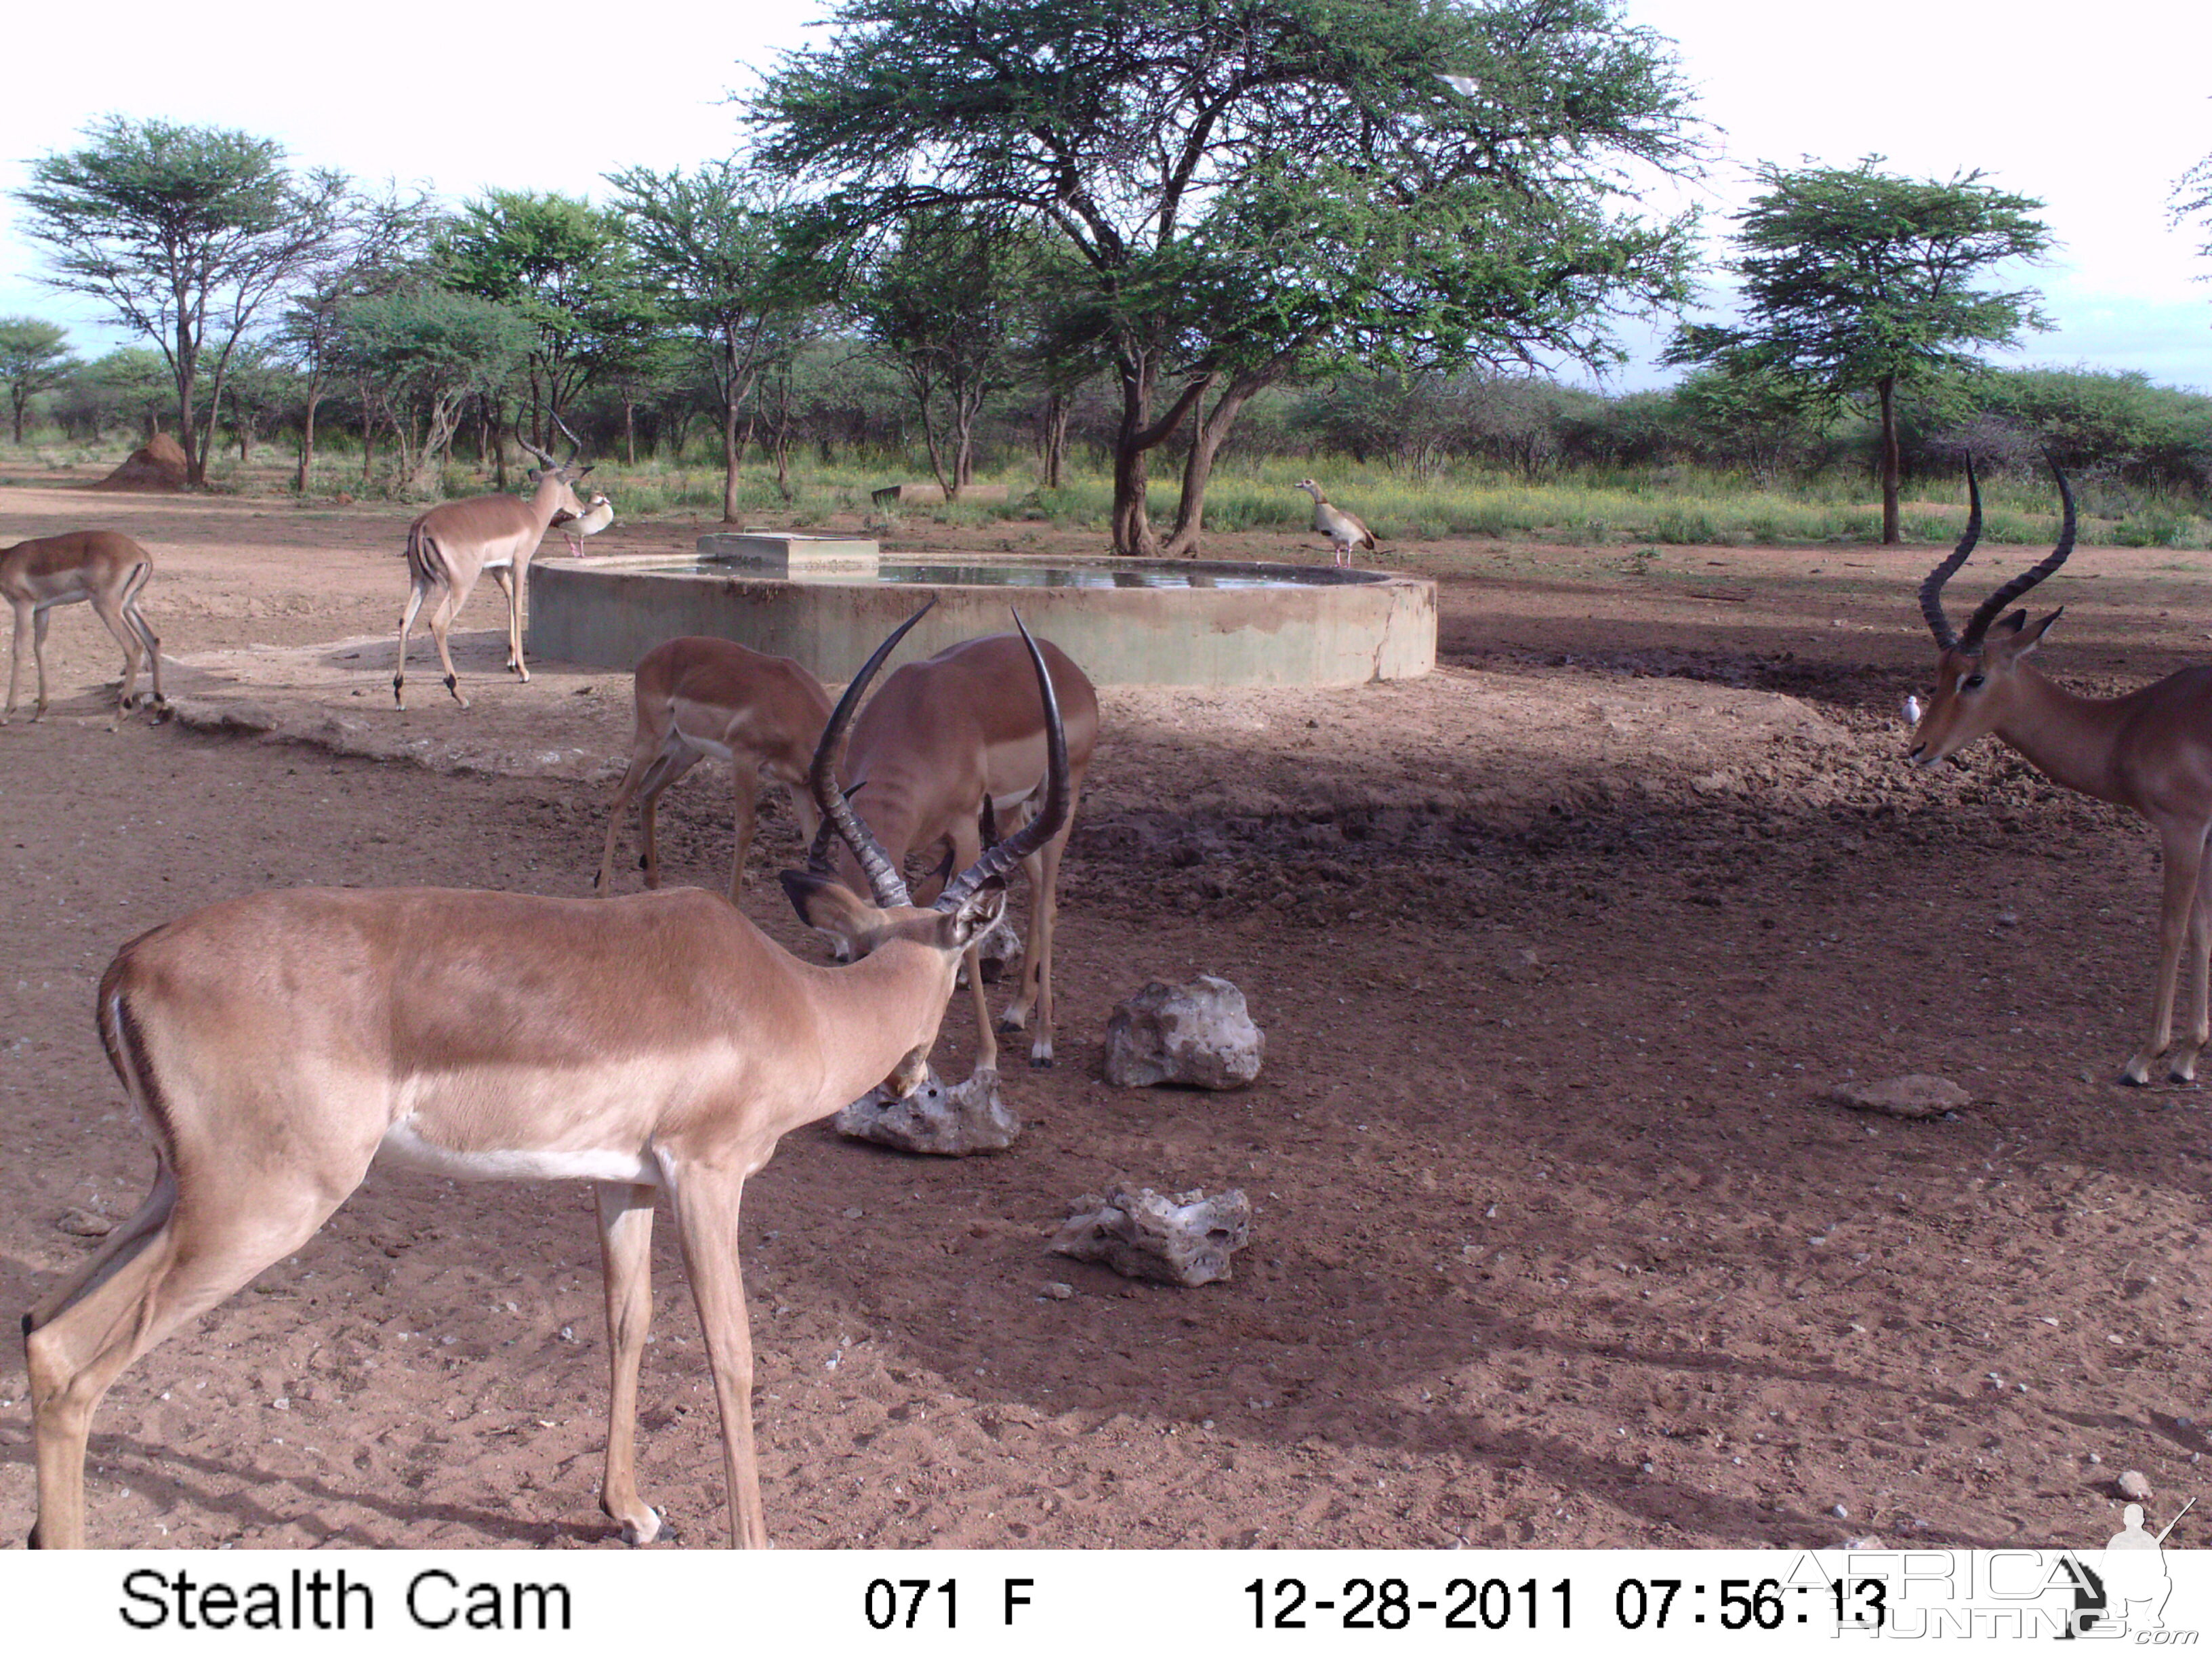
[2094, 110]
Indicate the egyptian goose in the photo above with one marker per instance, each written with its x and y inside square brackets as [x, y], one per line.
[1343, 531]
[599, 512]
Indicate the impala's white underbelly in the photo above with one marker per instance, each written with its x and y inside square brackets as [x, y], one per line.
[402, 1145]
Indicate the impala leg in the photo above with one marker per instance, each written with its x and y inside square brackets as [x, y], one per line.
[967, 847]
[706, 1204]
[441, 618]
[1042, 868]
[15, 657]
[2182, 1067]
[152, 641]
[745, 789]
[506, 581]
[39, 619]
[644, 761]
[671, 764]
[406, 622]
[135, 1291]
[626, 1255]
[109, 610]
[2183, 858]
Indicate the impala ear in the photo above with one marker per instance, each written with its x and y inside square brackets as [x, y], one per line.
[2034, 636]
[979, 912]
[826, 904]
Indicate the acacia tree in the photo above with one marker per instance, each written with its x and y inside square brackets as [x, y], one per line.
[713, 248]
[34, 357]
[945, 303]
[1859, 283]
[1261, 187]
[561, 263]
[424, 352]
[184, 232]
[379, 243]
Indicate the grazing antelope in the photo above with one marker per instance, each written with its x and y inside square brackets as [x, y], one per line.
[275, 1044]
[699, 697]
[2150, 750]
[1343, 531]
[100, 567]
[943, 739]
[453, 543]
[599, 512]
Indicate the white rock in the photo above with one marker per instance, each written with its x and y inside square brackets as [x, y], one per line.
[1184, 1240]
[945, 1120]
[1197, 1034]
[2133, 1486]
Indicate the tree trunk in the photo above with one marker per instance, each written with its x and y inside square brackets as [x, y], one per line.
[1055, 438]
[21, 398]
[1208, 433]
[1891, 535]
[731, 448]
[1133, 442]
[629, 430]
[301, 479]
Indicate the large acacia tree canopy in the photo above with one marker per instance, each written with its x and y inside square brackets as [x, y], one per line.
[1851, 277]
[1291, 175]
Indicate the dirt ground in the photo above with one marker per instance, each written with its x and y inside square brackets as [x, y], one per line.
[1557, 1240]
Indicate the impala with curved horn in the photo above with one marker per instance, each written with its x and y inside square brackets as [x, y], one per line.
[945, 739]
[456, 542]
[2150, 751]
[275, 1044]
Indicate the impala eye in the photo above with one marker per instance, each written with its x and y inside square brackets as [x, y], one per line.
[1972, 683]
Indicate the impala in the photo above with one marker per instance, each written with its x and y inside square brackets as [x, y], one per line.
[2150, 751]
[275, 1044]
[453, 543]
[699, 697]
[108, 570]
[945, 739]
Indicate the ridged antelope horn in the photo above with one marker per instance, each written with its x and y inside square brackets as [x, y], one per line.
[998, 860]
[575, 444]
[883, 879]
[1931, 591]
[1993, 607]
[543, 455]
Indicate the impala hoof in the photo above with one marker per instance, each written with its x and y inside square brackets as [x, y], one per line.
[1013, 1020]
[2129, 1080]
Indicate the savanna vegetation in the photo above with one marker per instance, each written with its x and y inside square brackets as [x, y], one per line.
[1374, 242]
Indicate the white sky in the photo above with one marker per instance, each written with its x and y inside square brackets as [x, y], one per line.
[2096, 109]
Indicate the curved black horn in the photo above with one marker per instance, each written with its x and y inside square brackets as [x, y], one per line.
[575, 444]
[998, 859]
[1993, 607]
[1931, 591]
[883, 879]
[544, 455]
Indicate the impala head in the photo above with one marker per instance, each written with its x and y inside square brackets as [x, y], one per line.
[1976, 681]
[564, 476]
[972, 901]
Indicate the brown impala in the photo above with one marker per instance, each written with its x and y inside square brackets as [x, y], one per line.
[101, 566]
[275, 1044]
[453, 543]
[947, 738]
[2150, 750]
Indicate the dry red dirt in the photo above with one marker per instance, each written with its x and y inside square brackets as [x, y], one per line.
[1557, 1240]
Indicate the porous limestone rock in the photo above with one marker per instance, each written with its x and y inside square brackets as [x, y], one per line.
[945, 1120]
[1903, 1096]
[1197, 1034]
[1184, 1240]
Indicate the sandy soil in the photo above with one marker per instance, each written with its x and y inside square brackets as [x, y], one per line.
[1558, 1239]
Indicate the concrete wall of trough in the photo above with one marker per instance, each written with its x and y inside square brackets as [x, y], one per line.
[607, 613]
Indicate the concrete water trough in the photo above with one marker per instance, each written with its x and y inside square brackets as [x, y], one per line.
[1128, 621]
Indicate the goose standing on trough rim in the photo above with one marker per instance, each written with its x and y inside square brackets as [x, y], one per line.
[1343, 531]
